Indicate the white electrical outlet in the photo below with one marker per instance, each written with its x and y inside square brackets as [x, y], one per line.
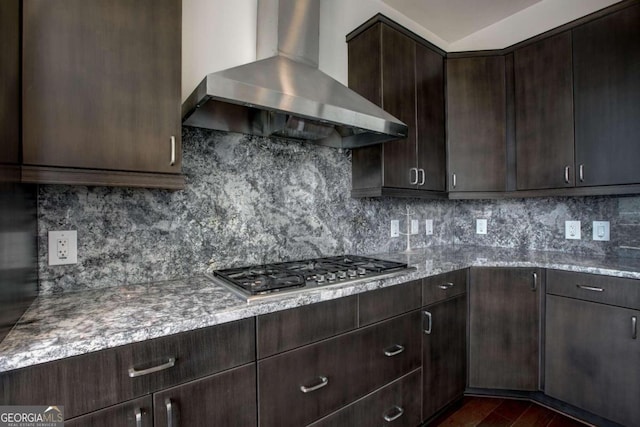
[63, 247]
[414, 226]
[395, 228]
[481, 226]
[601, 230]
[572, 230]
[428, 226]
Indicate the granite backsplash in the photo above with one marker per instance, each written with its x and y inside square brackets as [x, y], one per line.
[253, 200]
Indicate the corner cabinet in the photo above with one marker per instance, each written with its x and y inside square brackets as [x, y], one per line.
[101, 92]
[476, 125]
[404, 75]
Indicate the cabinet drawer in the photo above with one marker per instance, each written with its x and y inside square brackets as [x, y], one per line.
[135, 413]
[96, 380]
[288, 329]
[397, 403]
[443, 286]
[388, 302]
[593, 287]
[225, 399]
[303, 385]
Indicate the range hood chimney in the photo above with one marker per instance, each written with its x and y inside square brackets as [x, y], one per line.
[284, 94]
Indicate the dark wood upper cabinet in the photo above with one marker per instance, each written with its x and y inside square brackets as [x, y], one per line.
[476, 123]
[101, 92]
[391, 68]
[544, 114]
[10, 81]
[606, 57]
[504, 328]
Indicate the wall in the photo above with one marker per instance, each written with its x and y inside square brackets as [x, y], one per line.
[253, 200]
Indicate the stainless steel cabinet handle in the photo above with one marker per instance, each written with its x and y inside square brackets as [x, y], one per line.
[138, 414]
[534, 285]
[590, 288]
[634, 327]
[394, 350]
[445, 286]
[393, 414]
[566, 174]
[581, 173]
[411, 180]
[169, 406]
[453, 180]
[430, 319]
[323, 382]
[135, 373]
[173, 151]
[424, 178]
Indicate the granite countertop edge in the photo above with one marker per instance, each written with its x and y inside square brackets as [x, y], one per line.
[61, 326]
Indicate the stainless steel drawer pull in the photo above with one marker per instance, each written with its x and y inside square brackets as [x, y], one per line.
[411, 180]
[138, 414]
[534, 285]
[135, 373]
[169, 406]
[393, 414]
[566, 174]
[581, 173]
[453, 180]
[427, 330]
[590, 288]
[445, 286]
[634, 327]
[323, 382]
[173, 151]
[394, 350]
[424, 178]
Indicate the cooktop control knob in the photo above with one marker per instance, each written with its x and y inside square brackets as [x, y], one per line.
[320, 278]
[352, 273]
[331, 276]
[342, 274]
[362, 271]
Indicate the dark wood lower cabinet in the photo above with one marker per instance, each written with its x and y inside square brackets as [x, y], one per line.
[135, 413]
[444, 352]
[592, 358]
[397, 403]
[225, 399]
[504, 328]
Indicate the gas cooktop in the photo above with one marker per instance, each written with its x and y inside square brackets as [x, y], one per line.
[262, 281]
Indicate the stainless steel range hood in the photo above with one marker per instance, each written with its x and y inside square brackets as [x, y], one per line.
[284, 94]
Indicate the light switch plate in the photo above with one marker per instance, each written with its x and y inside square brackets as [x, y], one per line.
[601, 231]
[428, 226]
[395, 228]
[63, 247]
[572, 230]
[481, 226]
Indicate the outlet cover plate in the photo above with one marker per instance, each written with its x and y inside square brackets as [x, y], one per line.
[481, 226]
[66, 240]
[572, 230]
[414, 226]
[395, 228]
[601, 231]
[428, 226]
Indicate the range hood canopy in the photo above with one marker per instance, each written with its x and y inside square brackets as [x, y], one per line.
[284, 93]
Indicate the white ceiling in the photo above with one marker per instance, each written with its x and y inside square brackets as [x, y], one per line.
[452, 20]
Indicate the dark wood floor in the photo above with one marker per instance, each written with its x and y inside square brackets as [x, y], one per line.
[494, 412]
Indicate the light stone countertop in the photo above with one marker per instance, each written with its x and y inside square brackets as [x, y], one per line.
[70, 324]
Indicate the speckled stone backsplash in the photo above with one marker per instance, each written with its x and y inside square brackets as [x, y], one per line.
[252, 200]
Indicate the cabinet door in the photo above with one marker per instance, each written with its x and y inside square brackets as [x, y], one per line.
[476, 123]
[226, 399]
[504, 328]
[444, 354]
[606, 57]
[430, 119]
[136, 413]
[9, 81]
[544, 114]
[101, 84]
[399, 99]
[592, 358]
